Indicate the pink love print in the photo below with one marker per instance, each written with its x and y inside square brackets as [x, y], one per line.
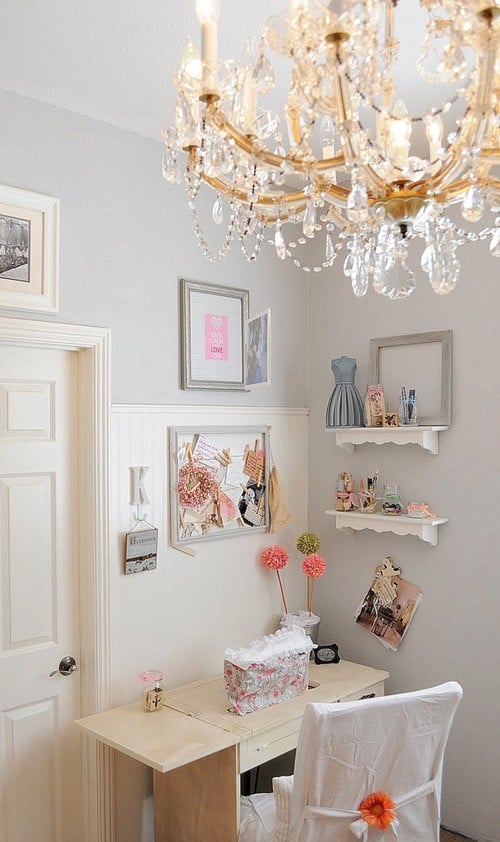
[216, 337]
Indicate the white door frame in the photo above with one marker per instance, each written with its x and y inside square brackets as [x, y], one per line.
[93, 347]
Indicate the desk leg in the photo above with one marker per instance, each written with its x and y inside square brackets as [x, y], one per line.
[199, 801]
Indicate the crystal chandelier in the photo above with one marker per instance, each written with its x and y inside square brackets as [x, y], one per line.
[339, 164]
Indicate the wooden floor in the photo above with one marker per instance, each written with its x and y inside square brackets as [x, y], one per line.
[447, 836]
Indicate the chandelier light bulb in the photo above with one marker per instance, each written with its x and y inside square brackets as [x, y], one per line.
[296, 6]
[339, 158]
[399, 134]
[191, 62]
[434, 132]
[207, 11]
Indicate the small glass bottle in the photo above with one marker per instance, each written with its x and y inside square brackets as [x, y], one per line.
[392, 502]
[152, 691]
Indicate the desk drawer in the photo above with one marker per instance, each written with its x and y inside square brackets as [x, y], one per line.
[374, 690]
[263, 747]
[282, 738]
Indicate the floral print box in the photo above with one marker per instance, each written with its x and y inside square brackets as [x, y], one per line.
[268, 671]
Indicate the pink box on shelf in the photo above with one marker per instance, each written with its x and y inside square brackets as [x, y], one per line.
[270, 670]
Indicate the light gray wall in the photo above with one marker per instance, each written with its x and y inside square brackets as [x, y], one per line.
[126, 237]
[455, 632]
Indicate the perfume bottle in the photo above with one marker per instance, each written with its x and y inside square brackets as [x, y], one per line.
[152, 691]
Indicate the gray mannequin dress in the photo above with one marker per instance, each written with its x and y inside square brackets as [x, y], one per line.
[345, 407]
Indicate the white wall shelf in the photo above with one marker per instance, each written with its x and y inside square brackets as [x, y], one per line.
[426, 437]
[424, 528]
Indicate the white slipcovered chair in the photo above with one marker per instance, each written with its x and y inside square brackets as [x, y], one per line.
[347, 751]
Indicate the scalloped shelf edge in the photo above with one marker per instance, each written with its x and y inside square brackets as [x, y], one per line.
[426, 437]
[424, 528]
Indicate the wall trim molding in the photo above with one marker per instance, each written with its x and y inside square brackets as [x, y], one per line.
[93, 348]
[211, 409]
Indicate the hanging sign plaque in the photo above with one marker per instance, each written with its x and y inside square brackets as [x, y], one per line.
[140, 550]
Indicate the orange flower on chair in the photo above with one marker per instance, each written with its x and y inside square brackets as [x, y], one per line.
[378, 810]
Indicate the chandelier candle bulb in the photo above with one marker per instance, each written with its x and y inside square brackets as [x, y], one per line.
[208, 13]
[434, 132]
[249, 102]
[399, 135]
[295, 6]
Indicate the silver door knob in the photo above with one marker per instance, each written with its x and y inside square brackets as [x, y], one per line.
[67, 666]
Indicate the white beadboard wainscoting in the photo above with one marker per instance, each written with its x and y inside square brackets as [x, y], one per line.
[180, 617]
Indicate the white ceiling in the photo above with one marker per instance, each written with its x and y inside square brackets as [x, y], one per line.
[114, 60]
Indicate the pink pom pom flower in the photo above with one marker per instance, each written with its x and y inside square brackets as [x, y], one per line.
[275, 557]
[314, 566]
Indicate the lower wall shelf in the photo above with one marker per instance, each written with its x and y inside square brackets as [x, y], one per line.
[424, 528]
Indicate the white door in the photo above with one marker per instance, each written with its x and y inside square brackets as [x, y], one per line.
[40, 753]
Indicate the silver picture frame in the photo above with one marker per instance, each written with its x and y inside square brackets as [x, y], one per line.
[213, 323]
[443, 370]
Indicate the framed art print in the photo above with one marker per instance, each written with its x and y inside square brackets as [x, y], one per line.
[258, 353]
[29, 242]
[213, 325]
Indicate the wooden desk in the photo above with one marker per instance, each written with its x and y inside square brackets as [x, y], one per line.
[197, 747]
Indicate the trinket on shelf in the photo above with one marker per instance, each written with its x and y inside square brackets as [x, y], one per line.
[392, 502]
[374, 406]
[347, 498]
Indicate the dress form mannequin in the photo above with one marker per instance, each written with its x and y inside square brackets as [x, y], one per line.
[345, 407]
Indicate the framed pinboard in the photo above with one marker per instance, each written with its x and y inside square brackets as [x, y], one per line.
[218, 482]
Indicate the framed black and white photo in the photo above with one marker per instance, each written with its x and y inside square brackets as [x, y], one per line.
[29, 243]
[213, 324]
[258, 353]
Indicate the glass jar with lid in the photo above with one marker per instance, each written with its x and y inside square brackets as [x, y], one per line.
[392, 501]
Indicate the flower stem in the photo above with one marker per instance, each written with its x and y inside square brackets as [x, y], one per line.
[282, 592]
[310, 582]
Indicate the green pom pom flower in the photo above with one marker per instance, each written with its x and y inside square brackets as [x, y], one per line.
[308, 543]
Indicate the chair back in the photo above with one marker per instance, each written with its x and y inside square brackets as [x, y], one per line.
[347, 751]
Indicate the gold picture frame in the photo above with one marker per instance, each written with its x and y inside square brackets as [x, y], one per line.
[29, 250]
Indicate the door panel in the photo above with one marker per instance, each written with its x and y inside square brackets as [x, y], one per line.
[40, 750]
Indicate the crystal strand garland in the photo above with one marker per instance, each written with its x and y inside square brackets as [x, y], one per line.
[472, 236]
[193, 182]
[319, 267]
[259, 227]
[259, 237]
[213, 257]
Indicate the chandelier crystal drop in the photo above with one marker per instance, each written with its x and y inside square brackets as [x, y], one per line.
[343, 160]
